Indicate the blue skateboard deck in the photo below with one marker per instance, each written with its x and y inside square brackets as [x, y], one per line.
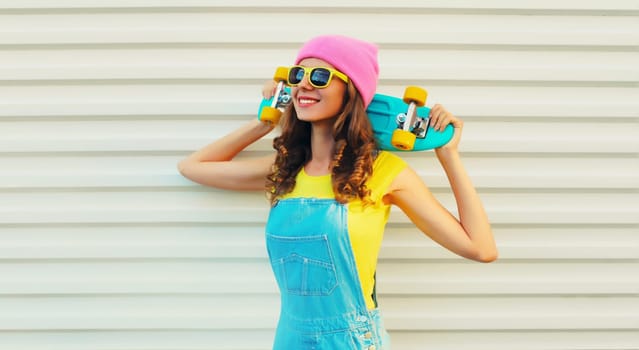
[385, 113]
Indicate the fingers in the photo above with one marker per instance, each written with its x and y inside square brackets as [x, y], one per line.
[268, 90]
[439, 118]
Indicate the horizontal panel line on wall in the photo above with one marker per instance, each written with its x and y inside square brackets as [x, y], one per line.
[478, 116]
[610, 255]
[467, 154]
[623, 42]
[260, 258]
[480, 164]
[444, 76]
[250, 328]
[546, 268]
[264, 151]
[205, 117]
[152, 218]
[320, 8]
[439, 187]
[265, 302]
[156, 232]
[631, 83]
[443, 291]
[164, 183]
[542, 226]
[559, 5]
[440, 256]
[418, 46]
[611, 260]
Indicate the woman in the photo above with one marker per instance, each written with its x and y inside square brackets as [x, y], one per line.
[331, 192]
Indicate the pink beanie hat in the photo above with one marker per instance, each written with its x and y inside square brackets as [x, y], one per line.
[355, 58]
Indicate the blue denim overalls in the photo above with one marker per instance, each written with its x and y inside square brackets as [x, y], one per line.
[322, 306]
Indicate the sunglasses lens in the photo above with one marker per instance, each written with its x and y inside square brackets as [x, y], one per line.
[320, 77]
[295, 75]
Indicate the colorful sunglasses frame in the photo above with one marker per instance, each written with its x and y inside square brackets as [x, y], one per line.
[310, 71]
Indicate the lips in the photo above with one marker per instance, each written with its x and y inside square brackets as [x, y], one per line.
[305, 101]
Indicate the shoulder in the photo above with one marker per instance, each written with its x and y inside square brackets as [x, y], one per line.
[387, 162]
[386, 167]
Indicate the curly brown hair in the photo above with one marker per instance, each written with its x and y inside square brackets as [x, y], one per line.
[352, 162]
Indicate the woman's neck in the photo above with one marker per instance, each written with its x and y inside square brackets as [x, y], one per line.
[322, 149]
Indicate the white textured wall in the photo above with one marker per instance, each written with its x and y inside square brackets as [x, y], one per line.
[104, 246]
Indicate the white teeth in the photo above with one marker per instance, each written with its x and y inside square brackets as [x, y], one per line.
[307, 101]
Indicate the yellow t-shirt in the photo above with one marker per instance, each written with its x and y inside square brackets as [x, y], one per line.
[365, 223]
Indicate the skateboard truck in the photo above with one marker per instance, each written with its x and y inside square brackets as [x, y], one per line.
[271, 114]
[409, 125]
[421, 125]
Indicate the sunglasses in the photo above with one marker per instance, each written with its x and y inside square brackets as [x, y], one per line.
[319, 77]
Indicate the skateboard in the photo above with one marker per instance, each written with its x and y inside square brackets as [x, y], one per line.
[399, 124]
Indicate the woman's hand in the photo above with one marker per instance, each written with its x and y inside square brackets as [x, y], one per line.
[268, 90]
[439, 119]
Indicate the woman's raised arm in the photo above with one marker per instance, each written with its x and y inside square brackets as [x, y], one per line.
[215, 166]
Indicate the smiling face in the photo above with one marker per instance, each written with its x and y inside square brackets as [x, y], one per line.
[313, 104]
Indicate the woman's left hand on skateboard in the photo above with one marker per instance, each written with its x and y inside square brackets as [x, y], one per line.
[439, 119]
[268, 90]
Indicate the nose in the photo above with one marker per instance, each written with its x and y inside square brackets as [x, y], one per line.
[305, 83]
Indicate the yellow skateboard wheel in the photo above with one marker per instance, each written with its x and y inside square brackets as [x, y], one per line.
[270, 115]
[403, 140]
[281, 74]
[415, 94]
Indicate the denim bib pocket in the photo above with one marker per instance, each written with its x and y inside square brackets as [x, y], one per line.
[303, 265]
